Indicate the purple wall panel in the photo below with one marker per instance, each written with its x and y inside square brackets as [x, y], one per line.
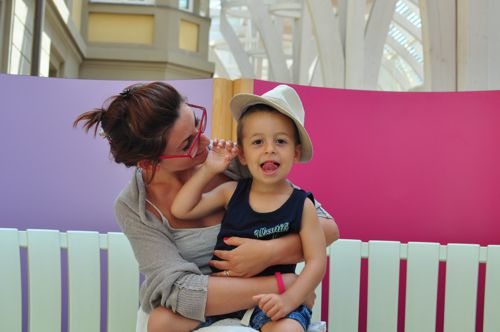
[52, 175]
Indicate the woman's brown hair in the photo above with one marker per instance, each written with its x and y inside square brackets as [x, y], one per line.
[136, 122]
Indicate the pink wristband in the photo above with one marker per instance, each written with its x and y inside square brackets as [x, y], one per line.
[281, 284]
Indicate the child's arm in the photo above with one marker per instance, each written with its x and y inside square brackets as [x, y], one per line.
[313, 244]
[190, 202]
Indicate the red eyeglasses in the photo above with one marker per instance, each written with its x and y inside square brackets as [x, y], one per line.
[200, 118]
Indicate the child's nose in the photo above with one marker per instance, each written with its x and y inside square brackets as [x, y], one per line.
[269, 147]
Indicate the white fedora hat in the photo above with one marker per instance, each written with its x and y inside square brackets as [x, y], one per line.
[285, 100]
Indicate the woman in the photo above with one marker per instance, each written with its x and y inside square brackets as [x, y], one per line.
[151, 127]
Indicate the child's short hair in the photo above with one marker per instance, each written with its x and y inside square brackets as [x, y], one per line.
[284, 99]
[261, 108]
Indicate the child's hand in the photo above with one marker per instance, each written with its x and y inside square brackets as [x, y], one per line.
[221, 155]
[275, 306]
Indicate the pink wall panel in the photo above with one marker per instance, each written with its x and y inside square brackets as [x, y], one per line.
[404, 166]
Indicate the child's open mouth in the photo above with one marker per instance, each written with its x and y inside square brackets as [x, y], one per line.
[269, 167]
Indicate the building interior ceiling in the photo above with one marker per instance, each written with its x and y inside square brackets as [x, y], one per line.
[239, 49]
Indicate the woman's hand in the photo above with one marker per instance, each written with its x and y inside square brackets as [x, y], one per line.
[247, 259]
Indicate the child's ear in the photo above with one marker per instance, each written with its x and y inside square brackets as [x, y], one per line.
[241, 156]
[298, 152]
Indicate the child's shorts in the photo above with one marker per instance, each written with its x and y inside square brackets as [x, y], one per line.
[302, 315]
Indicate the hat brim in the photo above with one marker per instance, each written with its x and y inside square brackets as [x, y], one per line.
[241, 102]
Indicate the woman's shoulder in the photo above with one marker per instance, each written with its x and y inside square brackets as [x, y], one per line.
[130, 204]
[131, 193]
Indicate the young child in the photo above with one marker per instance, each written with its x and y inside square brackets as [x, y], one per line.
[271, 137]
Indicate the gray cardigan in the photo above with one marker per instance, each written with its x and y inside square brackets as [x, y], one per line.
[170, 280]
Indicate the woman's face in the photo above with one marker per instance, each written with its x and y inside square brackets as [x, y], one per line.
[182, 139]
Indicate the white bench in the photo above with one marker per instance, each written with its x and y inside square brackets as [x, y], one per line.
[44, 257]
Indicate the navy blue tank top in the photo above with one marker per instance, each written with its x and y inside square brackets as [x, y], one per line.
[242, 221]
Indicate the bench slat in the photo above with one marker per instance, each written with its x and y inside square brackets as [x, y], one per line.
[84, 284]
[44, 280]
[492, 291]
[421, 286]
[123, 284]
[344, 282]
[383, 286]
[461, 287]
[10, 281]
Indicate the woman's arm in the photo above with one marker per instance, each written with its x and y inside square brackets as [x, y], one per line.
[228, 294]
[170, 280]
[173, 282]
[251, 257]
[220, 301]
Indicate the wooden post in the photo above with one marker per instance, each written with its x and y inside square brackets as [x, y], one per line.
[223, 125]
[221, 117]
[240, 86]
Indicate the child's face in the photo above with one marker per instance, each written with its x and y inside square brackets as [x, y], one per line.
[269, 146]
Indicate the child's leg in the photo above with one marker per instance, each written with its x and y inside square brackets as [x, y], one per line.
[162, 319]
[283, 325]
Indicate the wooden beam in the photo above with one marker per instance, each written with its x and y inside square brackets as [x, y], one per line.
[221, 116]
[240, 86]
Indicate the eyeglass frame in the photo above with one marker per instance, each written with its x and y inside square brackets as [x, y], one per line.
[201, 129]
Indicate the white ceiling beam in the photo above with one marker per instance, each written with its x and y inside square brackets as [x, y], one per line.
[328, 42]
[493, 45]
[415, 2]
[408, 26]
[221, 68]
[472, 45]
[304, 47]
[439, 44]
[354, 43]
[396, 74]
[271, 40]
[342, 15]
[402, 51]
[315, 76]
[234, 43]
[375, 36]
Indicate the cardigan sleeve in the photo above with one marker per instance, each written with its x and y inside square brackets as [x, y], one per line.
[170, 280]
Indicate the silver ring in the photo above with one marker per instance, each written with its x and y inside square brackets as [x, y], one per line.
[226, 273]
